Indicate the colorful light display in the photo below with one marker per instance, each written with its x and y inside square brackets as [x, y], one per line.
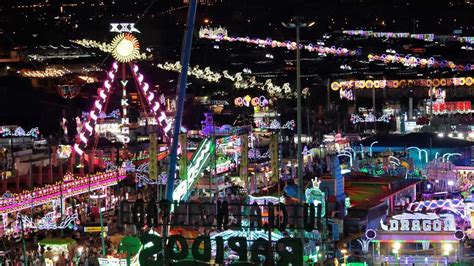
[276, 125]
[422, 36]
[247, 100]
[88, 127]
[347, 94]
[49, 221]
[434, 204]
[402, 83]
[195, 168]
[64, 151]
[115, 114]
[76, 186]
[369, 118]
[19, 132]
[157, 109]
[268, 42]
[153, 103]
[412, 61]
[316, 196]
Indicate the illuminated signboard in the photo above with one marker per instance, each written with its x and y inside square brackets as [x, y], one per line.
[123, 27]
[94, 229]
[417, 222]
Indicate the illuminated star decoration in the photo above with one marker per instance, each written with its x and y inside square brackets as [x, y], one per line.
[125, 48]
[110, 47]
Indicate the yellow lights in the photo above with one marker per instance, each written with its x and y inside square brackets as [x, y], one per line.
[447, 248]
[397, 245]
[104, 47]
[123, 45]
[396, 248]
[239, 80]
[125, 48]
[402, 83]
[88, 79]
[47, 73]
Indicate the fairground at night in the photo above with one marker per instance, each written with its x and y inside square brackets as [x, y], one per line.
[221, 132]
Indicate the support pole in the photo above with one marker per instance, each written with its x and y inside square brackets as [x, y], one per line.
[183, 77]
[101, 226]
[25, 258]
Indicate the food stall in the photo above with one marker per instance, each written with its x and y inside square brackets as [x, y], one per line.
[54, 247]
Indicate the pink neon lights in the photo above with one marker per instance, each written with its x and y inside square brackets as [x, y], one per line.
[111, 75]
[81, 140]
[107, 85]
[145, 87]
[156, 107]
[153, 104]
[89, 128]
[105, 92]
[71, 188]
[98, 105]
[78, 150]
[102, 94]
[151, 96]
[93, 115]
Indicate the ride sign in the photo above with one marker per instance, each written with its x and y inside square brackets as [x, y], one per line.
[123, 27]
[155, 252]
[417, 222]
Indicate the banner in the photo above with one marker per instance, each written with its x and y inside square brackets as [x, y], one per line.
[244, 159]
[452, 107]
[112, 262]
[183, 159]
[152, 168]
[94, 229]
[274, 157]
[225, 215]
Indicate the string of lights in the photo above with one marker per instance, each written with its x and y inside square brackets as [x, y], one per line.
[107, 47]
[402, 83]
[47, 73]
[206, 33]
[421, 36]
[239, 81]
[412, 61]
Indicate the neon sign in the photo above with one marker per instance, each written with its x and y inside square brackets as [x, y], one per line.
[417, 222]
[123, 27]
[196, 167]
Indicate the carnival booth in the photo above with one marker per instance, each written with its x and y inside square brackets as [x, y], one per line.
[54, 247]
[416, 238]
